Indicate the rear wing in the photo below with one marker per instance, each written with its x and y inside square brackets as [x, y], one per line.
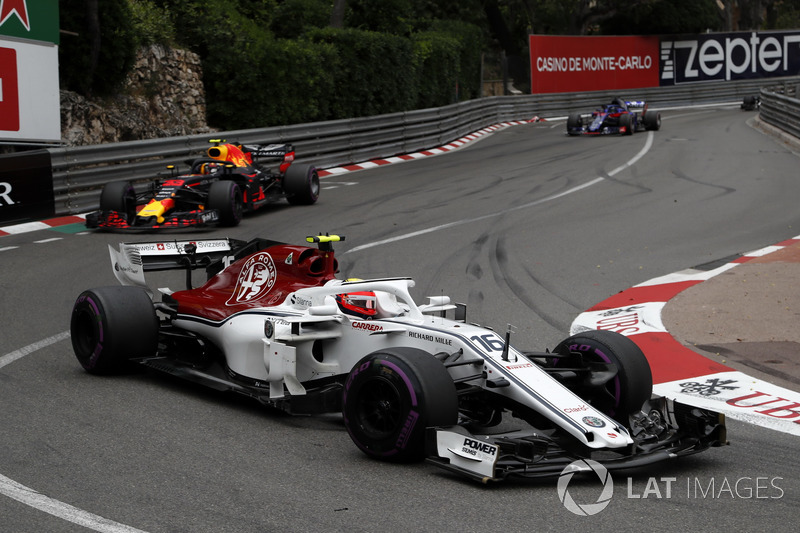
[132, 260]
[268, 151]
[636, 105]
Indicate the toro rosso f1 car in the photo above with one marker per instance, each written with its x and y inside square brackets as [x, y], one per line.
[274, 322]
[620, 116]
[217, 189]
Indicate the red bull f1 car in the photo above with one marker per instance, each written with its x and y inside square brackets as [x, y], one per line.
[413, 381]
[619, 117]
[218, 189]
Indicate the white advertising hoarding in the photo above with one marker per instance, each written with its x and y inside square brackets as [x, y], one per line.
[29, 97]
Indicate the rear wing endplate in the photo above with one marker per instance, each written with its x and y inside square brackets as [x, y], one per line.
[268, 151]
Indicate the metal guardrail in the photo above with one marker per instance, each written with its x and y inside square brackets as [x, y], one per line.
[80, 172]
[780, 107]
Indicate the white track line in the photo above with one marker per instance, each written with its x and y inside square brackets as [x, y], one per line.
[646, 148]
[39, 501]
[28, 496]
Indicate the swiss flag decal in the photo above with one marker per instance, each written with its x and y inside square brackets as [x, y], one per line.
[9, 90]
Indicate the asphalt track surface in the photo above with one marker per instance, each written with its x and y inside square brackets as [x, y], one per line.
[526, 226]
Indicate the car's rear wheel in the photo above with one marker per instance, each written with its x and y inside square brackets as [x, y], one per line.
[391, 397]
[226, 197]
[652, 120]
[616, 377]
[301, 184]
[119, 196]
[110, 326]
[574, 124]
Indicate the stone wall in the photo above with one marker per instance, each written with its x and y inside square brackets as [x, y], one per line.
[163, 96]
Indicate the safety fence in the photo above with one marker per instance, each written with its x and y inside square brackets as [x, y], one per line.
[78, 173]
[780, 107]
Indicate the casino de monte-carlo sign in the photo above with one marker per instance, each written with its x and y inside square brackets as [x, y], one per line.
[573, 64]
[29, 97]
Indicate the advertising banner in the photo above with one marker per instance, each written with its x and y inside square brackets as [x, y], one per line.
[36, 20]
[29, 97]
[729, 56]
[26, 186]
[570, 64]
[30, 104]
[574, 64]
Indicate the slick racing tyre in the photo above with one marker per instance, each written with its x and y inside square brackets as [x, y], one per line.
[111, 325]
[574, 124]
[119, 196]
[226, 197]
[617, 394]
[652, 120]
[391, 396]
[626, 121]
[301, 185]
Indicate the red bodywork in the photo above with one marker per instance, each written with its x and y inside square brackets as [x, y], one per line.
[262, 279]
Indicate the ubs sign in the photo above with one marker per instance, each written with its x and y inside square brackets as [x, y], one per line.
[729, 56]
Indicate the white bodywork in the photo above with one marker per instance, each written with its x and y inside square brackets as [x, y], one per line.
[274, 346]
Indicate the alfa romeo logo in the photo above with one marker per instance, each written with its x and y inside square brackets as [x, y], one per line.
[585, 509]
[256, 278]
[593, 421]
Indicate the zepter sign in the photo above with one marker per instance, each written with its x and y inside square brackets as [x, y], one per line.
[729, 56]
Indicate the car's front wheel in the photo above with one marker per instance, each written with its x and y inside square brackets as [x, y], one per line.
[120, 197]
[574, 124]
[626, 121]
[614, 375]
[226, 197]
[110, 326]
[391, 396]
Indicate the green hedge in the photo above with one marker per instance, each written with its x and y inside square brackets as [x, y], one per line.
[271, 62]
[96, 54]
[269, 83]
[372, 73]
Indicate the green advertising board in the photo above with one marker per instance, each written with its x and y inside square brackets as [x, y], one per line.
[36, 20]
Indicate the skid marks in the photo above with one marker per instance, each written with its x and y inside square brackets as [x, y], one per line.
[529, 289]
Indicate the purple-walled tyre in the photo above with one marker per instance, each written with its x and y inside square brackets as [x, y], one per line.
[615, 394]
[391, 396]
[112, 325]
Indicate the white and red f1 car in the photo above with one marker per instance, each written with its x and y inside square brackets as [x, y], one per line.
[273, 322]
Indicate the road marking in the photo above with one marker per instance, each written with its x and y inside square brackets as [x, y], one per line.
[62, 510]
[30, 497]
[632, 161]
[37, 500]
[22, 352]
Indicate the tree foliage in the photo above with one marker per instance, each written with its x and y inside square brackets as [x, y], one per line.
[271, 62]
[99, 48]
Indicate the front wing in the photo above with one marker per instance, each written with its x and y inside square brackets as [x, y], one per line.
[187, 219]
[668, 430]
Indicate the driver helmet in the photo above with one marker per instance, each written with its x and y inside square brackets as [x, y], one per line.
[209, 168]
[362, 304]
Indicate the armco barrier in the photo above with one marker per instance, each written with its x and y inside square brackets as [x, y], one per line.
[80, 172]
[780, 109]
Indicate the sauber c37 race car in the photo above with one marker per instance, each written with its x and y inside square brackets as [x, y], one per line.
[274, 322]
[620, 116]
[217, 189]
